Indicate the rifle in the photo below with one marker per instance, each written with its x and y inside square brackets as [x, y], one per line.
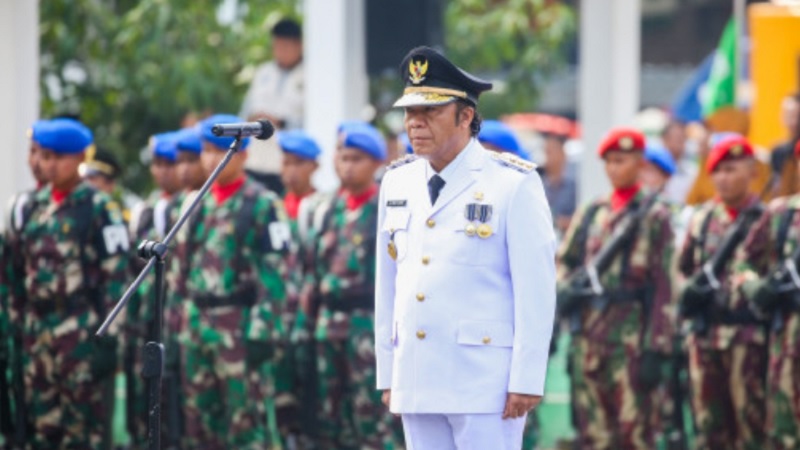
[786, 284]
[705, 283]
[584, 284]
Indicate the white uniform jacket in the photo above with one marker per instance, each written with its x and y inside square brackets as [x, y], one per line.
[465, 292]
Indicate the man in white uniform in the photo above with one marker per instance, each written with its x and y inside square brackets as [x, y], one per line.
[276, 94]
[466, 278]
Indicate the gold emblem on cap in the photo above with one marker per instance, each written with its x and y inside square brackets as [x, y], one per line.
[470, 230]
[478, 196]
[417, 71]
[484, 231]
[392, 249]
[736, 150]
[626, 143]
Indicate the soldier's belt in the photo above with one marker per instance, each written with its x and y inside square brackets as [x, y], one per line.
[68, 305]
[618, 296]
[736, 317]
[244, 297]
[349, 303]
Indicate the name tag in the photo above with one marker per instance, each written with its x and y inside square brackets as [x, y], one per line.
[396, 203]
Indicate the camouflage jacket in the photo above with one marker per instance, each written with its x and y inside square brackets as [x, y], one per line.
[215, 259]
[759, 255]
[648, 257]
[698, 247]
[340, 272]
[73, 253]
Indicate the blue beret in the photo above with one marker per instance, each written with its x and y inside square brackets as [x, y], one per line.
[299, 143]
[189, 140]
[165, 145]
[62, 136]
[221, 142]
[365, 137]
[499, 135]
[661, 157]
[406, 143]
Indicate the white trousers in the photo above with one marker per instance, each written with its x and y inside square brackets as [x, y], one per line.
[462, 432]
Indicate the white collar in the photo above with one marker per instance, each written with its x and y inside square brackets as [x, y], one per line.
[450, 170]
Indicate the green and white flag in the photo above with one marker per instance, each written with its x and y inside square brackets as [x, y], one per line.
[720, 88]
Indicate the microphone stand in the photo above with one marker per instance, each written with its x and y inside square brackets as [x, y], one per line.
[153, 356]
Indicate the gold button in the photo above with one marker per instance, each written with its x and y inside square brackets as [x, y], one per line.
[426, 260]
[421, 335]
[487, 340]
[431, 223]
[421, 297]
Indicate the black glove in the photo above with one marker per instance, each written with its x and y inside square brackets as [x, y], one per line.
[695, 296]
[257, 353]
[649, 370]
[104, 357]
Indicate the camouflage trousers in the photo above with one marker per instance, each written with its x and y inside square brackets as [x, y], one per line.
[295, 393]
[351, 414]
[728, 395]
[783, 392]
[224, 399]
[67, 407]
[610, 412]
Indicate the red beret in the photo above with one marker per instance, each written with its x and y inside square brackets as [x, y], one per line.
[734, 147]
[797, 148]
[622, 139]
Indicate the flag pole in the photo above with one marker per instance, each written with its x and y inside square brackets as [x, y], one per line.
[739, 13]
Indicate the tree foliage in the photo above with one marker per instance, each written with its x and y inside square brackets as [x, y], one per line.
[132, 68]
[518, 41]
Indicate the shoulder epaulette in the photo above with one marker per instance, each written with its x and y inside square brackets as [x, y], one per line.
[508, 160]
[402, 161]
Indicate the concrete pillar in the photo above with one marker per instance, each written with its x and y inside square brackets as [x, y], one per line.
[334, 38]
[19, 93]
[610, 61]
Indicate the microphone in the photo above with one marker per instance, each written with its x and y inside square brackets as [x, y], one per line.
[262, 129]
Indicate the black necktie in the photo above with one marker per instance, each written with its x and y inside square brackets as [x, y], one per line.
[435, 185]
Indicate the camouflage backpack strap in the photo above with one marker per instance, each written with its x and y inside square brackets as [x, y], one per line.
[20, 210]
[143, 220]
[83, 222]
[784, 226]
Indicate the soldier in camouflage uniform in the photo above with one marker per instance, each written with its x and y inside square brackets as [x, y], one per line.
[773, 238]
[351, 415]
[618, 346]
[150, 220]
[295, 379]
[19, 210]
[726, 342]
[67, 268]
[20, 203]
[230, 275]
